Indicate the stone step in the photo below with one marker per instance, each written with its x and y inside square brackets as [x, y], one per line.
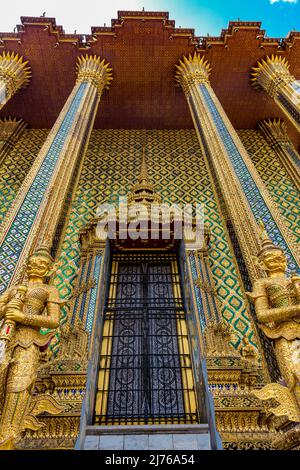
[148, 437]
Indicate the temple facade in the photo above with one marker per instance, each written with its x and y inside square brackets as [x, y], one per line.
[121, 332]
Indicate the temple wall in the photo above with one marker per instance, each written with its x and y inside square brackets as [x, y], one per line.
[104, 177]
[178, 171]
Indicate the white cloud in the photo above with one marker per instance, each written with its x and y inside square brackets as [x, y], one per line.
[284, 1]
[68, 13]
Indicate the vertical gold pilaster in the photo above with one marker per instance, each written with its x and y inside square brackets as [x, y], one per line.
[273, 76]
[275, 133]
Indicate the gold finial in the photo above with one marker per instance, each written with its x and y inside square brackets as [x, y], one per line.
[143, 191]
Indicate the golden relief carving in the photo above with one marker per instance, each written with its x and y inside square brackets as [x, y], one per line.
[282, 395]
[277, 305]
[25, 309]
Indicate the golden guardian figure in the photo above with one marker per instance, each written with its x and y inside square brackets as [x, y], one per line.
[277, 305]
[24, 310]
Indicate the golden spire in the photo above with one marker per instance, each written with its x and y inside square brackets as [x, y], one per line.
[144, 171]
[143, 191]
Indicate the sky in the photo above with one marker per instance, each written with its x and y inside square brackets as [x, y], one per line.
[278, 17]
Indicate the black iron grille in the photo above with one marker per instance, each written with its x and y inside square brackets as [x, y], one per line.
[145, 366]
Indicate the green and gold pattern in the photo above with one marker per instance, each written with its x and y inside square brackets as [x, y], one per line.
[16, 165]
[282, 190]
[177, 169]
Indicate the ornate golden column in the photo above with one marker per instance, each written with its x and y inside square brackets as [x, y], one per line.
[39, 204]
[243, 195]
[273, 76]
[275, 133]
[10, 131]
[14, 74]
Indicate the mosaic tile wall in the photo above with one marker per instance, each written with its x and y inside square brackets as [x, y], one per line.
[17, 233]
[17, 164]
[275, 177]
[178, 171]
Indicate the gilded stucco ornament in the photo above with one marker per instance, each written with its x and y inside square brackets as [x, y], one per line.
[25, 309]
[277, 305]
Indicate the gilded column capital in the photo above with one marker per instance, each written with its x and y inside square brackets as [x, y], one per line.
[10, 131]
[10, 128]
[192, 70]
[14, 73]
[275, 131]
[94, 70]
[271, 73]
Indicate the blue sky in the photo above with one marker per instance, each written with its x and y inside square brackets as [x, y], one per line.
[205, 16]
